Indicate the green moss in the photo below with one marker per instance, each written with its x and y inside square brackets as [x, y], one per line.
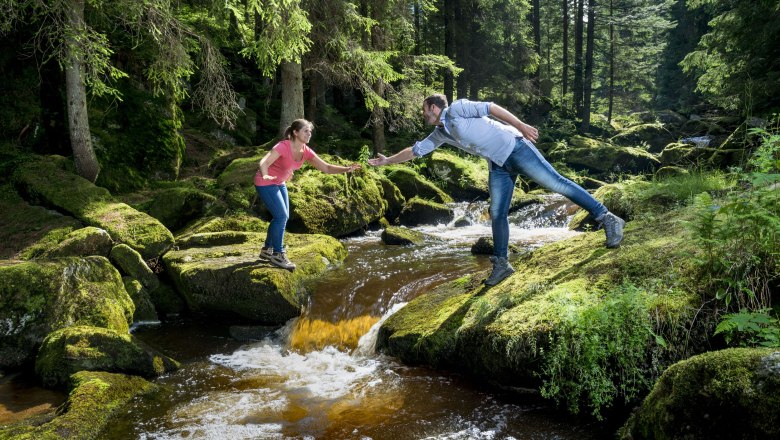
[29, 231]
[42, 182]
[174, 207]
[72, 349]
[462, 178]
[131, 263]
[653, 137]
[603, 158]
[418, 211]
[402, 236]
[412, 184]
[95, 398]
[232, 278]
[81, 242]
[733, 393]
[144, 308]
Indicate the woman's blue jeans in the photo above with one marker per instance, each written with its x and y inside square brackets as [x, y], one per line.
[526, 159]
[277, 201]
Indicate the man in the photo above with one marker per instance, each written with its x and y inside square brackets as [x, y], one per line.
[509, 151]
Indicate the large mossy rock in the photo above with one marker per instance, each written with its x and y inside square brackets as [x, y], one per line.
[81, 243]
[418, 211]
[79, 348]
[131, 263]
[727, 394]
[394, 235]
[28, 231]
[334, 204]
[94, 399]
[602, 158]
[568, 303]
[144, 307]
[43, 182]
[412, 184]
[221, 273]
[461, 178]
[38, 297]
[174, 207]
[652, 136]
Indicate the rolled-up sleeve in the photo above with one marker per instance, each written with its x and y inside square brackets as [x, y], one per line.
[430, 143]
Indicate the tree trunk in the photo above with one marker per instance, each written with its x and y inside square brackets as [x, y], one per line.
[462, 46]
[611, 62]
[588, 83]
[378, 122]
[417, 29]
[78, 122]
[449, 46]
[565, 77]
[578, 58]
[536, 18]
[314, 91]
[292, 94]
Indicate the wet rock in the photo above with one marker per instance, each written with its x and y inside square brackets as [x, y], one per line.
[484, 246]
[670, 171]
[232, 279]
[38, 297]
[84, 348]
[175, 207]
[461, 178]
[251, 332]
[95, 398]
[717, 395]
[394, 235]
[423, 212]
[43, 182]
[462, 222]
[131, 263]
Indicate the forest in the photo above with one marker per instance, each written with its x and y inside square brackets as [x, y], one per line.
[130, 131]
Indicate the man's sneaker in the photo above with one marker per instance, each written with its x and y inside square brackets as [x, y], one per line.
[266, 252]
[279, 259]
[613, 228]
[501, 270]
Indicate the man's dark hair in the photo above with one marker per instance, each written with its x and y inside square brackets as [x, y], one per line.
[437, 99]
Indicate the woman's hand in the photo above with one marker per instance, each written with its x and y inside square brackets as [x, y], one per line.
[267, 177]
[353, 167]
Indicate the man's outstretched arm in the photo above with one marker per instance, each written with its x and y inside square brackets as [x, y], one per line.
[401, 156]
[505, 115]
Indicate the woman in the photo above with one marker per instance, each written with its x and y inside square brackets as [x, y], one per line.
[275, 169]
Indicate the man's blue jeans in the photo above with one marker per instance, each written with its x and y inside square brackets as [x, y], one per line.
[526, 159]
[277, 201]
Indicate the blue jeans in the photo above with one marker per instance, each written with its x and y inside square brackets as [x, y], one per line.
[526, 159]
[277, 201]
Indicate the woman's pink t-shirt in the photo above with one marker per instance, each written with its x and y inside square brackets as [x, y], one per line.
[284, 165]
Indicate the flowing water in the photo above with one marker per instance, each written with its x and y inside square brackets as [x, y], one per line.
[318, 377]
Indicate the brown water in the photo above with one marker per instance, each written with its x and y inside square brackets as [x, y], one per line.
[319, 378]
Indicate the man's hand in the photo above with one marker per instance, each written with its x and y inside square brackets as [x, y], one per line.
[529, 132]
[380, 160]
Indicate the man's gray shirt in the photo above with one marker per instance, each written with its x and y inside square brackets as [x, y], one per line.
[468, 127]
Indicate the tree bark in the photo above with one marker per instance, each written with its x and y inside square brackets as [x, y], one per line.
[565, 77]
[449, 46]
[611, 62]
[292, 94]
[536, 20]
[588, 83]
[578, 58]
[462, 47]
[78, 122]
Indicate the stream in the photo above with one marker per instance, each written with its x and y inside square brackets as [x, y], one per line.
[318, 376]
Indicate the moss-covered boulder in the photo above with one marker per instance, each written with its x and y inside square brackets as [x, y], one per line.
[29, 231]
[43, 182]
[461, 178]
[168, 302]
[217, 278]
[334, 204]
[81, 243]
[569, 304]
[394, 235]
[602, 158]
[670, 171]
[392, 195]
[144, 307]
[79, 348]
[94, 399]
[38, 297]
[412, 184]
[418, 211]
[653, 137]
[131, 263]
[727, 394]
[174, 207]
[484, 246]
